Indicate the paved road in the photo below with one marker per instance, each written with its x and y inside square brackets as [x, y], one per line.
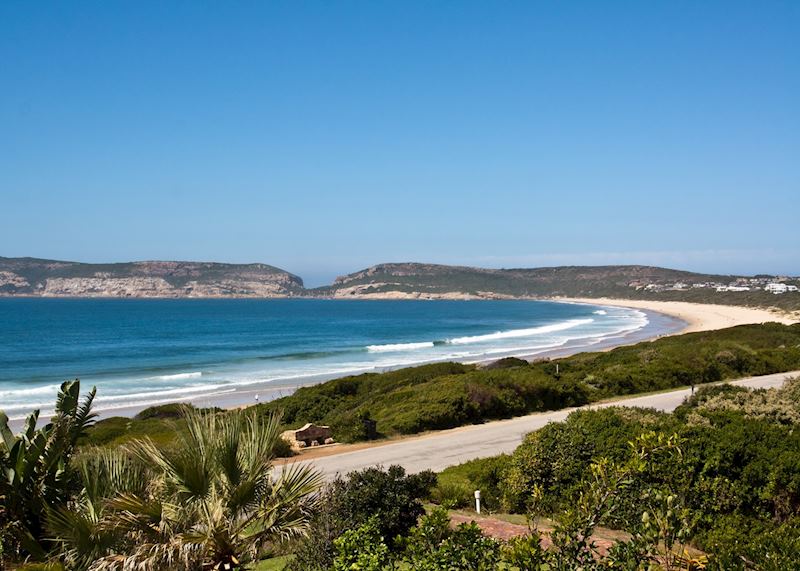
[439, 450]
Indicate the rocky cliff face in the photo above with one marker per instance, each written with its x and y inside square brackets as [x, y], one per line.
[48, 278]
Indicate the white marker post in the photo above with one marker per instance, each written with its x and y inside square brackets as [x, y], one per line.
[478, 501]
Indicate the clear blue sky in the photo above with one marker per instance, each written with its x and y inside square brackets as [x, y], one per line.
[323, 137]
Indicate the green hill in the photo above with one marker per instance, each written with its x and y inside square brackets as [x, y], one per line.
[564, 280]
[627, 282]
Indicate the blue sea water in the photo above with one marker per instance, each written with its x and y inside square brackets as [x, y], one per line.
[140, 352]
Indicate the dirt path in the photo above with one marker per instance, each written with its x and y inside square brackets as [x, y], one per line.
[504, 530]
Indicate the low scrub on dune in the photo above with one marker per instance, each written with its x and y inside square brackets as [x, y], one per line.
[446, 395]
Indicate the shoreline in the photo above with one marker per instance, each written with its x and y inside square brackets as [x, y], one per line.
[697, 316]
[659, 325]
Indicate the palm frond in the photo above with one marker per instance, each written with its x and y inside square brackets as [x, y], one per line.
[216, 500]
[84, 417]
[286, 509]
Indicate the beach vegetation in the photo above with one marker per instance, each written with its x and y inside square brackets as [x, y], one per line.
[457, 484]
[210, 499]
[361, 549]
[658, 542]
[720, 481]
[446, 395]
[215, 501]
[162, 425]
[392, 497]
[37, 470]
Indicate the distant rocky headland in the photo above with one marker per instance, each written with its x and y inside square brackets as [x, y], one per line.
[52, 278]
[170, 279]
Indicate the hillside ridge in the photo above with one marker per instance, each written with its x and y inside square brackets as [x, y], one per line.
[395, 280]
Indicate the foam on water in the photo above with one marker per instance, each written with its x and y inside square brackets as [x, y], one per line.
[392, 347]
[179, 376]
[514, 333]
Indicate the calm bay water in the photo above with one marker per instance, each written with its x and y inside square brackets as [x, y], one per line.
[140, 352]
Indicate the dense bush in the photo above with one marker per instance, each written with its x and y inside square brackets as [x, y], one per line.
[457, 484]
[738, 475]
[453, 495]
[393, 498]
[555, 458]
[745, 543]
[170, 410]
[507, 363]
[434, 546]
[117, 430]
[361, 549]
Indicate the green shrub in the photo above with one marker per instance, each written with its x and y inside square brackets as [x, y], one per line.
[703, 395]
[507, 363]
[452, 495]
[434, 546]
[163, 411]
[738, 473]
[361, 549]
[458, 483]
[117, 430]
[391, 496]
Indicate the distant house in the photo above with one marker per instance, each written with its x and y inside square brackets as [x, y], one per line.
[776, 288]
[733, 288]
[308, 435]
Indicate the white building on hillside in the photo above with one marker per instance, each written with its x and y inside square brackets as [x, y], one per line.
[776, 288]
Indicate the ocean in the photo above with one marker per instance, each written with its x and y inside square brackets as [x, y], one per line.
[232, 351]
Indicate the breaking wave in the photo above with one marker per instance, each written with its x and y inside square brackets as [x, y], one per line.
[399, 347]
[513, 333]
[179, 376]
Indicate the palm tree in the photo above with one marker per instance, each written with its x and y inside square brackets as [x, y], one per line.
[213, 503]
[84, 529]
[35, 468]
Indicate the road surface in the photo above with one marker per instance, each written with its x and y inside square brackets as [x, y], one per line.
[438, 450]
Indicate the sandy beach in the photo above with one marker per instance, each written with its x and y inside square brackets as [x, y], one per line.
[698, 316]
